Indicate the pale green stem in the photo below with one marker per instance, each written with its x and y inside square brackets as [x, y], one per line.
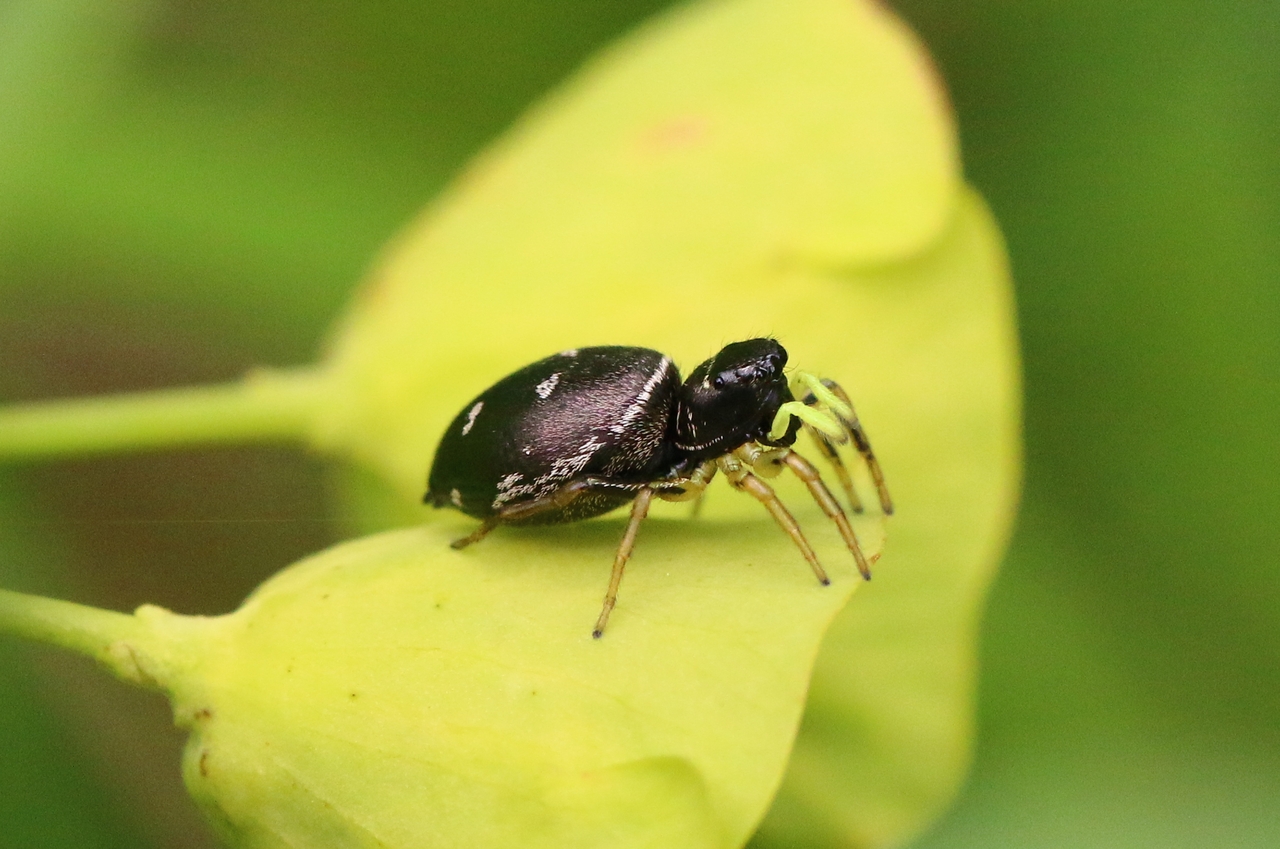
[150, 647]
[264, 406]
[89, 631]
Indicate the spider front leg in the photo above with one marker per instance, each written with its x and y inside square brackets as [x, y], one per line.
[807, 473]
[828, 449]
[739, 474]
[778, 458]
[835, 405]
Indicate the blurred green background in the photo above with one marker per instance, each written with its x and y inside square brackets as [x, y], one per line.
[190, 188]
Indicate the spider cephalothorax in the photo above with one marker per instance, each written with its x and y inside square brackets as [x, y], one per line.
[732, 399]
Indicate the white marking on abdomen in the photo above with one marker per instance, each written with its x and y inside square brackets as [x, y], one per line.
[547, 386]
[637, 406]
[471, 417]
[510, 488]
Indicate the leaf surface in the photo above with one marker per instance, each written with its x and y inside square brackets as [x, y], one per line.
[393, 691]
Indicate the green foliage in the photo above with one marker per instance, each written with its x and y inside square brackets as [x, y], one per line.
[48, 796]
[1132, 651]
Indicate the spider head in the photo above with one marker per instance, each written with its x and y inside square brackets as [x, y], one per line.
[732, 399]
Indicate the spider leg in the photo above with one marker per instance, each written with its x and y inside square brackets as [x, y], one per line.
[639, 509]
[688, 488]
[567, 493]
[696, 510]
[691, 488]
[476, 535]
[813, 480]
[742, 479]
[558, 498]
[828, 449]
[860, 440]
[676, 489]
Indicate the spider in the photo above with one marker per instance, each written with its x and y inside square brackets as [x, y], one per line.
[587, 430]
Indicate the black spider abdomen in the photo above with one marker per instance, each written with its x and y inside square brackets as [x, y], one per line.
[602, 411]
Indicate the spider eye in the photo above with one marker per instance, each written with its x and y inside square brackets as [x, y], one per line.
[718, 381]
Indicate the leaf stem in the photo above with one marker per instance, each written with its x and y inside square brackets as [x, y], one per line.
[89, 631]
[267, 405]
[151, 647]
